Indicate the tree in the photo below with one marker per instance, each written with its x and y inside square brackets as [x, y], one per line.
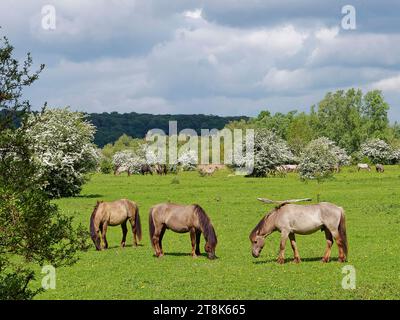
[63, 146]
[270, 151]
[300, 133]
[378, 151]
[319, 158]
[339, 119]
[375, 114]
[31, 228]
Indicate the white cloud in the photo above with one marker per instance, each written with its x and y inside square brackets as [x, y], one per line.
[391, 84]
[225, 57]
[195, 14]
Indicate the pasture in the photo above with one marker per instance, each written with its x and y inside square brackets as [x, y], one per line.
[371, 202]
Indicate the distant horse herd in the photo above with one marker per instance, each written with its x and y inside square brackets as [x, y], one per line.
[210, 169]
[287, 218]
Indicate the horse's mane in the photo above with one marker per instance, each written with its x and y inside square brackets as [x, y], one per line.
[206, 226]
[92, 228]
[263, 221]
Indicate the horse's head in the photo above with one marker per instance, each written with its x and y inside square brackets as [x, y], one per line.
[209, 247]
[257, 243]
[257, 237]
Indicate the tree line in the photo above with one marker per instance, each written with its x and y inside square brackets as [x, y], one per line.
[111, 126]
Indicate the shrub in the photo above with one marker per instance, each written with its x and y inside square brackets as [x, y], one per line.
[378, 151]
[64, 149]
[270, 151]
[319, 158]
[106, 166]
[188, 160]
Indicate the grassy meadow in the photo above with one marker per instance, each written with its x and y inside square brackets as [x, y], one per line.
[371, 202]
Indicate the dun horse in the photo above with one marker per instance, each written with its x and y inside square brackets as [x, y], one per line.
[290, 219]
[182, 219]
[112, 214]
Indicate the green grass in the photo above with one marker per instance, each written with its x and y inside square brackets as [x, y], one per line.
[371, 202]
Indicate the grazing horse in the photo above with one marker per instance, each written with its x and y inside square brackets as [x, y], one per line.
[379, 168]
[145, 169]
[182, 219]
[112, 214]
[121, 169]
[285, 168]
[161, 169]
[363, 166]
[290, 219]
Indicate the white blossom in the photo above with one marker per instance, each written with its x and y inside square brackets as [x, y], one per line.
[63, 148]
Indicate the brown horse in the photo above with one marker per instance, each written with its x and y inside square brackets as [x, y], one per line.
[291, 219]
[112, 214]
[182, 219]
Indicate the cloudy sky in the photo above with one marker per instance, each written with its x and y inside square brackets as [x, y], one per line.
[225, 57]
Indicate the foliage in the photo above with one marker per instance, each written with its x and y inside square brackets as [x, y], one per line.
[128, 160]
[124, 142]
[106, 166]
[378, 151]
[188, 160]
[111, 126]
[31, 228]
[346, 117]
[319, 158]
[270, 151]
[62, 142]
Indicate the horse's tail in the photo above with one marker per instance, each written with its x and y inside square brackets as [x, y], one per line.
[138, 225]
[92, 228]
[342, 232]
[151, 226]
[133, 207]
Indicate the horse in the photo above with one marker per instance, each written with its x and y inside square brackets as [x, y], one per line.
[160, 169]
[121, 169]
[286, 168]
[379, 168]
[290, 219]
[363, 166]
[112, 214]
[182, 219]
[145, 169]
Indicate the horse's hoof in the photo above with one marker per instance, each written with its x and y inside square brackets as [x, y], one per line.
[296, 260]
[342, 260]
[194, 256]
[325, 260]
[280, 260]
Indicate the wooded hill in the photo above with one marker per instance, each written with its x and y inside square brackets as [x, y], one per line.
[110, 126]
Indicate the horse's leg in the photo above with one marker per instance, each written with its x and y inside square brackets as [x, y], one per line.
[294, 247]
[103, 233]
[132, 222]
[339, 242]
[198, 235]
[193, 240]
[96, 239]
[124, 232]
[282, 245]
[329, 242]
[156, 241]
[160, 239]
